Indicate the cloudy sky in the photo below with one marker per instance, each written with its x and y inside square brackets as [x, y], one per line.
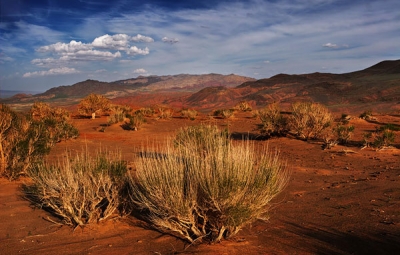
[48, 43]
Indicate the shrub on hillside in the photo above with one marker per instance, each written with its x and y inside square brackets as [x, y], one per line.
[243, 106]
[309, 120]
[79, 190]
[205, 188]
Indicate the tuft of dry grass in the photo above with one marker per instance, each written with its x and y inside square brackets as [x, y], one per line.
[81, 189]
[201, 186]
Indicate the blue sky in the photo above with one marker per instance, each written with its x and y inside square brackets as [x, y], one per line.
[48, 43]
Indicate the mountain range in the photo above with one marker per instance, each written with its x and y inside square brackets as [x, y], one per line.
[377, 87]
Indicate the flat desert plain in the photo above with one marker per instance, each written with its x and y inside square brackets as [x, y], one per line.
[345, 200]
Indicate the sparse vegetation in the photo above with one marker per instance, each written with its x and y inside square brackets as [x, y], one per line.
[189, 114]
[93, 104]
[272, 121]
[309, 120]
[367, 115]
[79, 190]
[118, 114]
[204, 187]
[243, 106]
[224, 113]
[344, 133]
[165, 113]
[25, 139]
[136, 120]
[383, 138]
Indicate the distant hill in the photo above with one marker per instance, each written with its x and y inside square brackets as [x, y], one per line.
[182, 82]
[376, 85]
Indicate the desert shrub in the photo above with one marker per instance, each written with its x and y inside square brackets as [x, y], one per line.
[366, 114]
[93, 104]
[243, 106]
[165, 113]
[136, 120]
[383, 138]
[118, 113]
[147, 112]
[272, 121]
[79, 190]
[344, 133]
[308, 120]
[189, 114]
[204, 187]
[345, 119]
[390, 126]
[224, 113]
[26, 138]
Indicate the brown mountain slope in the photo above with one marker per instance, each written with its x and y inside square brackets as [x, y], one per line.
[375, 87]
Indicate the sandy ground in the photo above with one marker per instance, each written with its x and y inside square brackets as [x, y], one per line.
[339, 201]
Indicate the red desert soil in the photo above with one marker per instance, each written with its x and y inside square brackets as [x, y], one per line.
[339, 201]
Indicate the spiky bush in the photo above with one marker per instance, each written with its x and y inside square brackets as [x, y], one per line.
[204, 187]
[79, 190]
[272, 121]
[308, 120]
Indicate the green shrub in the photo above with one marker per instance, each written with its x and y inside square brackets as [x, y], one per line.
[79, 190]
[204, 187]
[344, 133]
[309, 120]
[383, 138]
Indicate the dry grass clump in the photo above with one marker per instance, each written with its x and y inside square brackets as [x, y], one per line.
[79, 190]
[203, 187]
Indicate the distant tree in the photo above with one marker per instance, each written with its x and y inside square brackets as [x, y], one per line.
[93, 104]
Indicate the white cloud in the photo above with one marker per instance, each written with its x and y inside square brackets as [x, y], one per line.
[54, 71]
[140, 71]
[59, 47]
[170, 40]
[330, 45]
[113, 42]
[142, 38]
[136, 51]
[335, 46]
[90, 55]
